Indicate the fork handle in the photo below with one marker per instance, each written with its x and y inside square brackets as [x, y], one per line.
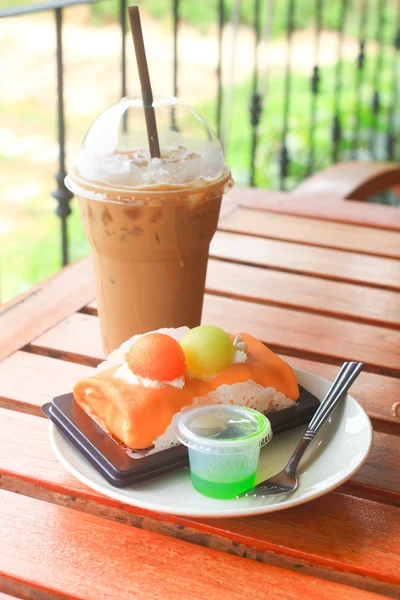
[346, 376]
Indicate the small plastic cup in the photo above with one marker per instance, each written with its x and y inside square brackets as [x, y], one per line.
[224, 444]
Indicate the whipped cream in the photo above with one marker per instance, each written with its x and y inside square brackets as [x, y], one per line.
[126, 374]
[240, 354]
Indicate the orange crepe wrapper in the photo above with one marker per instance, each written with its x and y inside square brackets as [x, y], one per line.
[137, 415]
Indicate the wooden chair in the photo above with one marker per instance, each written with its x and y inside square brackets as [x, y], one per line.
[355, 180]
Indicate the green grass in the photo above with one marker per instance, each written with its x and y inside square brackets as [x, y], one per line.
[33, 252]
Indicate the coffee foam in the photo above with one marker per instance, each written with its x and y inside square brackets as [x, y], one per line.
[178, 165]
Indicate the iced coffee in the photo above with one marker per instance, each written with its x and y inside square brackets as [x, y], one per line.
[149, 221]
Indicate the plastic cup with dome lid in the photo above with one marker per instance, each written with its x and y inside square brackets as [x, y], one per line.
[114, 163]
[149, 219]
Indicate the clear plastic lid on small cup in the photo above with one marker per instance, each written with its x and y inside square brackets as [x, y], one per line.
[114, 161]
[223, 429]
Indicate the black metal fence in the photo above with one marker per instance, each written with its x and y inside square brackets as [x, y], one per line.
[369, 127]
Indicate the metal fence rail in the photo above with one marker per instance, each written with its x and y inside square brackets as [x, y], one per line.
[346, 140]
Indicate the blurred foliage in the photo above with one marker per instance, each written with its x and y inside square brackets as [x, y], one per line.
[201, 14]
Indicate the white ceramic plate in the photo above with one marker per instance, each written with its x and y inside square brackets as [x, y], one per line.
[339, 450]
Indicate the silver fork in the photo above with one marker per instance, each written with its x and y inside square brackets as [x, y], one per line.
[286, 482]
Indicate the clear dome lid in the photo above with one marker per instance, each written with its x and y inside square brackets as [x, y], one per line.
[114, 159]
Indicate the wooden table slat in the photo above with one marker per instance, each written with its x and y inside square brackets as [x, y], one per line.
[313, 232]
[306, 335]
[375, 393]
[332, 298]
[29, 380]
[293, 535]
[317, 262]
[89, 555]
[76, 338]
[380, 473]
[287, 331]
[29, 315]
[304, 293]
[319, 207]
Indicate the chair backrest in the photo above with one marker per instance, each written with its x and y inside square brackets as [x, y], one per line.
[355, 180]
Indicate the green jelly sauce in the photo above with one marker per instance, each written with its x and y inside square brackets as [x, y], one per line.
[223, 490]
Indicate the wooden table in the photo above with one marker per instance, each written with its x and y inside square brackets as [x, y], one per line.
[318, 282]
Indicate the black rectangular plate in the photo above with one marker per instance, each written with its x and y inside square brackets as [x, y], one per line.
[117, 467]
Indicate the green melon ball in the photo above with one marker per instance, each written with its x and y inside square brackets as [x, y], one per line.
[208, 350]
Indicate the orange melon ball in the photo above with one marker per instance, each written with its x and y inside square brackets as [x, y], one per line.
[156, 356]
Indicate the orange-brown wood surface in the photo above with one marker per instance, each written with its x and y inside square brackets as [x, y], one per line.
[77, 338]
[29, 380]
[318, 207]
[315, 232]
[62, 552]
[318, 262]
[329, 292]
[347, 301]
[287, 331]
[292, 535]
[267, 286]
[381, 471]
[307, 335]
[376, 393]
[26, 317]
